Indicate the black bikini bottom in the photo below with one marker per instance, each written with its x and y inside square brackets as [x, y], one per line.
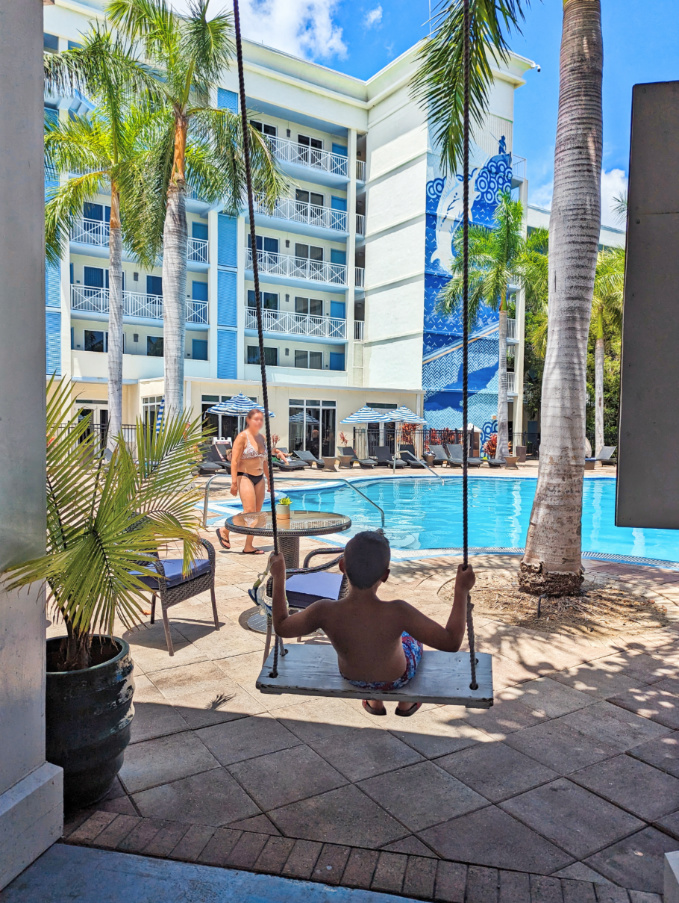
[253, 479]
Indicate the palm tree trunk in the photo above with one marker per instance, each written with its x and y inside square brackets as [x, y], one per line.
[552, 561]
[115, 322]
[502, 448]
[174, 278]
[598, 395]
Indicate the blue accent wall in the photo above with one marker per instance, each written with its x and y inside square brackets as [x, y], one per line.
[227, 100]
[336, 360]
[53, 342]
[52, 286]
[227, 365]
[227, 294]
[227, 237]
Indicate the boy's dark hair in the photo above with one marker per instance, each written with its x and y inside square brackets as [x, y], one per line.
[366, 558]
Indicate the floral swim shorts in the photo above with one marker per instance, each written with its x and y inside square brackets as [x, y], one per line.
[413, 653]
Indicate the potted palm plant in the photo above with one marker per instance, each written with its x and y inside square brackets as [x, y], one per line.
[283, 508]
[107, 516]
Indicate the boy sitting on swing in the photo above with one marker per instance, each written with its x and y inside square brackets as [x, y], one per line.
[378, 643]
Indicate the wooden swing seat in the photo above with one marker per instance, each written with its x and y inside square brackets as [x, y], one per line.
[442, 678]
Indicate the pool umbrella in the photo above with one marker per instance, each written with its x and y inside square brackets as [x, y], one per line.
[237, 405]
[159, 416]
[405, 415]
[369, 415]
[299, 418]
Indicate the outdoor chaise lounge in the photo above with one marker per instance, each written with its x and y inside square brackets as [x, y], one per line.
[455, 457]
[439, 453]
[386, 459]
[496, 462]
[291, 465]
[410, 457]
[348, 453]
[310, 459]
[605, 456]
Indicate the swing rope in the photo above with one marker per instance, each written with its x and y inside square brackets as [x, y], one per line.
[465, 317]
[258, 306]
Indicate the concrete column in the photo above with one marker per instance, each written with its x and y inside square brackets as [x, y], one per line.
[213, 251]
[351, 254]
[31, 815]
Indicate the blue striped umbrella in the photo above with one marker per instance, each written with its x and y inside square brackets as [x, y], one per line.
[405, 415]
[159, 416]
[369, 415]
[239, 404]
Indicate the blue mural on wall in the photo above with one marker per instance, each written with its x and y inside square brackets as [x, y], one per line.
[442, 351]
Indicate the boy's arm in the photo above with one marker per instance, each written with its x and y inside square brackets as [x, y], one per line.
[302, 622]
[448, 638]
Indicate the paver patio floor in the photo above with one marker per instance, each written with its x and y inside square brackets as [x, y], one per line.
[571, 778]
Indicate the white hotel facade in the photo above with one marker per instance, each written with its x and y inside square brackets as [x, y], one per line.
[347, 270]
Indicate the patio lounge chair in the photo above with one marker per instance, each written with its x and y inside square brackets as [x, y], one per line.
[605, 455]
[408, 455]
[494, 462]
[173, 586]
[310, 459]
[291, 465]
[386, 459]
[455, 457]
[347, 452]
[439, 453]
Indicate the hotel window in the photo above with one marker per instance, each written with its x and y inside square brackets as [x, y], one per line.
[270, 355]
[149, 409]
[264, 128]
[199, 349]
[309, 360]
[96, 340]
[154, 345]
[269, 300]
[309, 306]
[309, 197]
[50, 42]
[309, 252]
[269, 245]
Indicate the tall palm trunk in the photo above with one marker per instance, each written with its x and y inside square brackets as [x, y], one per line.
[174, 277]
[599, 385]
[115, 321]
[552, 561]
[502, 448]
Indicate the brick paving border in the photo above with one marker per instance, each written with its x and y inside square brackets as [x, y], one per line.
[417, 877]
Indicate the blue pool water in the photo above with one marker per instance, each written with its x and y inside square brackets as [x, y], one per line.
[426, 514]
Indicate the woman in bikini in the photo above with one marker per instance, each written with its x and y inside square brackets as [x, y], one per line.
[249, 467]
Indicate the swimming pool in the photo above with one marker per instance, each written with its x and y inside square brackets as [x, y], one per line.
[424, 513]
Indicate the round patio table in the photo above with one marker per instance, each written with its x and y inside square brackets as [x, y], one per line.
[301, 523]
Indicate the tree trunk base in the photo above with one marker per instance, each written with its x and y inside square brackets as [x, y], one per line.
[535, 579]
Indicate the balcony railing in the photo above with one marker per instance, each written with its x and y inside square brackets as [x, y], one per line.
[359, 277]
[96, 232]
[511, 383]
[360, 170]
[358, 330]
[302, 212]
[297, 324]
[86, 299]
[298, 267]
[291, 152]
[518, 167]
[511, 328]
[360, 224]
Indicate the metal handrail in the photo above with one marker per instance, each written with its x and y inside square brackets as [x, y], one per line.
[294, 480]
[439, 476]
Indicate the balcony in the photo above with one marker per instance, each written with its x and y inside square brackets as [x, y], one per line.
[285, 266]
[512, 336]
[305, 214]
[96, 233]
[518, 168]
[360, 170]
[511, 383]
[297, 324]
[87, 300]
[360, 224]
[300, 155]
[358, 330]
[359, 277]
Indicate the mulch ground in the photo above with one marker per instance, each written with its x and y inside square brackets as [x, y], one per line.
[603, 608]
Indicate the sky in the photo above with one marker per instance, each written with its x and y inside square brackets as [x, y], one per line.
[359, 37]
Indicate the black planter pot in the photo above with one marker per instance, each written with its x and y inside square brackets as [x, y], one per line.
[89, 713]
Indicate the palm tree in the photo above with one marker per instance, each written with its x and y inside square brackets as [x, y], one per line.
[552, 561]
[196, 145]
[96, 152]
[606, 315]
[494, 263]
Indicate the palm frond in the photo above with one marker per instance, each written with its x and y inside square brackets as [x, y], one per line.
[438, 84]
[208, 44]
[64, 206]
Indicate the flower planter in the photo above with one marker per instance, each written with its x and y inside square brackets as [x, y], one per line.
[89, 713]
[283, 512]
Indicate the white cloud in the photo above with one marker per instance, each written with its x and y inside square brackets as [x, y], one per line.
[305, 28]
[613, 185]
[373, 17]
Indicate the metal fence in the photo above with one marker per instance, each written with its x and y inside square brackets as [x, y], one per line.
[100, 433]
[366, 441]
